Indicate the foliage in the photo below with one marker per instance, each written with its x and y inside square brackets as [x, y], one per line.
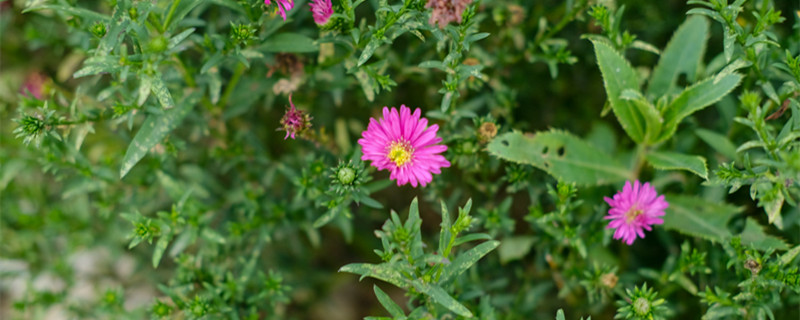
[144, 171]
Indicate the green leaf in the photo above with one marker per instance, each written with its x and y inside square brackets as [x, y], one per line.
[755, 236]
[652, 118]
[515, 248]
[773, 209]
[290, 42]
[717, 141]
[161, 93]
[560, 315]
[378, 271]
[96, 65]
[444, 235]
[697, 217]
[388, 303]
[161, 246]
[683, 54]
[677, 161]
[442, 297]
[465, 260]
[789, 256]
[369, 50]
[69, 10]
[566, 157]
[153, 130]
[695, 98]
[619, 75]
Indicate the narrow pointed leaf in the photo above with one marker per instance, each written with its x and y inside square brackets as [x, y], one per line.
[442, 297]
[683, 54]
[695, 98]
[466, 259]
[678, 161]
[388, 303]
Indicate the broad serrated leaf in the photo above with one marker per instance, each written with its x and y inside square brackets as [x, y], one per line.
[442, 297]
[290, 42]
[388, 303]
[515, 248]
[619, 75]
[378, 271]
[695, 98]
[718, 142]
[466, 259]
[683, 54]
[152, 131]
[663, 160]
[755, 236]
[566, 157]
[697, 217]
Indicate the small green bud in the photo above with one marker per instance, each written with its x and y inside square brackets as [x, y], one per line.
[98, 30]
[242, 32]
[133, 13]
[346, 175]
[641, 306]
[158, 44]
[161, 309]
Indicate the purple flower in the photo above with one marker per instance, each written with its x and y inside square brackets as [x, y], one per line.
[446, 11]
[404, 144]
[321, 10]
[294, 121]
[633, 209]
[283, 6]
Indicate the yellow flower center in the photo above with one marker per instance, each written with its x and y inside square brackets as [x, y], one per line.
[400, 153]
[632, 214]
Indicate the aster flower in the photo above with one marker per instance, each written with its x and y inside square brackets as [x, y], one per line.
[446, 11]
[294, 121]
[283, 6]
[404, 144]
[633, 209]
[322, 10]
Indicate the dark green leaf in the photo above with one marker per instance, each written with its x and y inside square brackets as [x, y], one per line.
[619, 75]
[682, 55]
[697, 217]
[664, 160]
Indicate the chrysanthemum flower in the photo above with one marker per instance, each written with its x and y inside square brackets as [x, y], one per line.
[283, 6]
[404, 144]
[294, 121]
[322, 10]
[635, 209]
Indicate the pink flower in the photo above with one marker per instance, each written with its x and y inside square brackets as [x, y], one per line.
[446, 11]
[405, 145]
[283, 6]
[633, 209]
[321, 10]
[294, 121]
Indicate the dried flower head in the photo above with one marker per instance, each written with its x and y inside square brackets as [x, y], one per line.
[404, 144]
[446, 11]
[486, 132]
[635, 209]
[322, 10]
[283, 6]
[294, 121]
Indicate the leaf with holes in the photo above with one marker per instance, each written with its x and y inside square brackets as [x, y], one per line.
[677, 161]
[697, 217]
[566, 157]
[619, 75]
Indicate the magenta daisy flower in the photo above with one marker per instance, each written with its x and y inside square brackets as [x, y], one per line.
[633, 209]
[322, 10]
[283, 6]
[405, 145]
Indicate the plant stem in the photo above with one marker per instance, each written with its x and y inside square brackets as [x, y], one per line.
[168, 20]
[237, 74]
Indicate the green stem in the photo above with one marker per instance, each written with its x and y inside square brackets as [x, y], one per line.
[170, 14]
[561, 24]
[641, 152]
[237, 74]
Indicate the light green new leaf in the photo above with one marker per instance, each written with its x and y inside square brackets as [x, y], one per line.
[697, 217]
[153, 130]
[466, 259]
[289, 42]
[695, 98]
[378, 271]
[515, 248]
[755, 236]
[566, 157]
[683, 54]
[442, 297]
[678, 161]
[619, 75]
[388, 303]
